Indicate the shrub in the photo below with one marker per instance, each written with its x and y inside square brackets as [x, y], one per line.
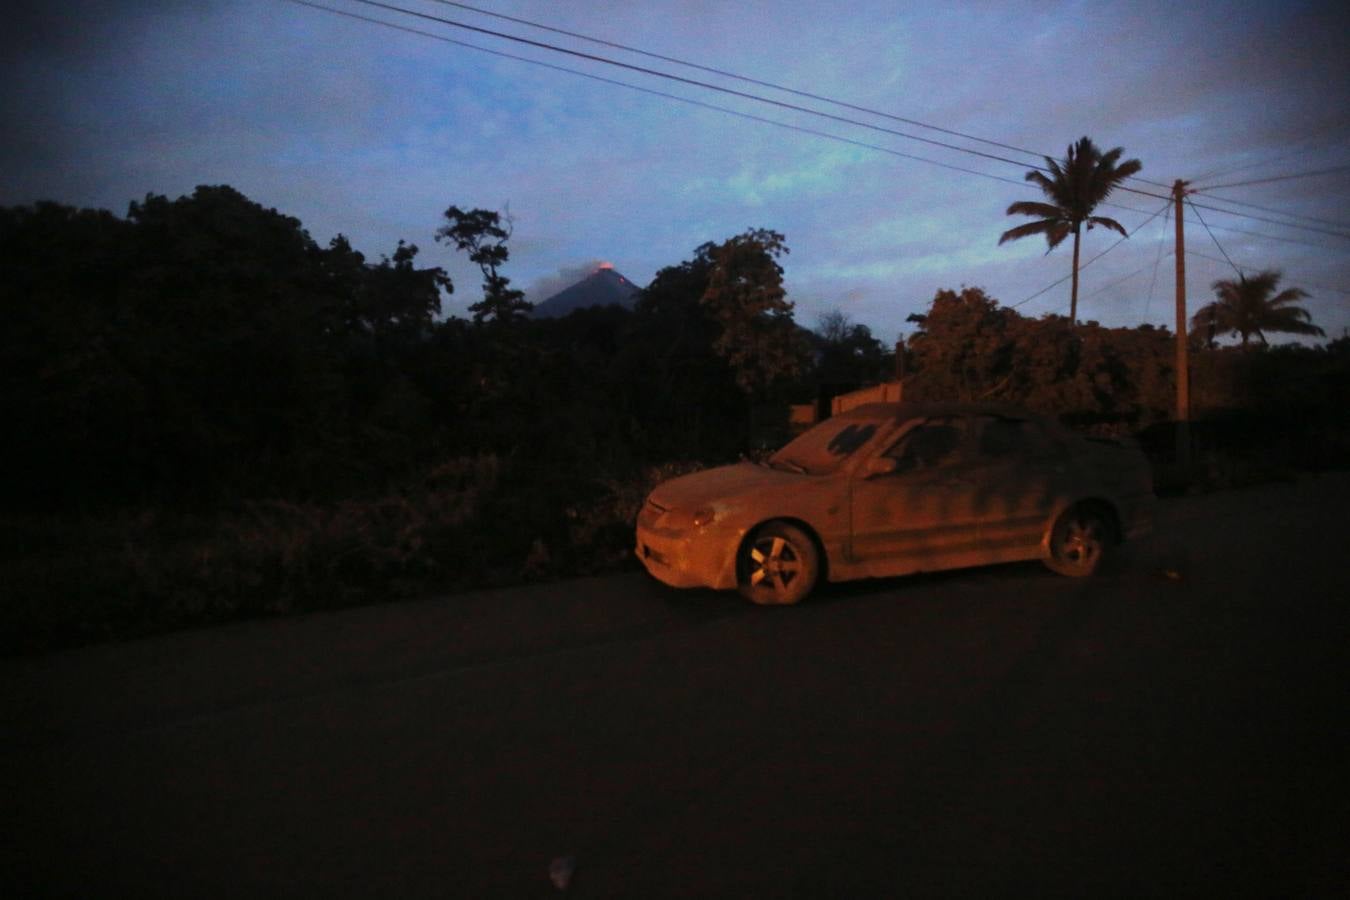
[74, 580]
[600, 530]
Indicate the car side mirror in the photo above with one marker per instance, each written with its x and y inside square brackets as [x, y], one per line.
[878, 466]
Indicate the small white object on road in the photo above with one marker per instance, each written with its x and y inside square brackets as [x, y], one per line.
[560, 871]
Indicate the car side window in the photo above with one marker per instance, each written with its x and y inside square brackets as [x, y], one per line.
[850, 439]
[928, 445]
[1004, 438]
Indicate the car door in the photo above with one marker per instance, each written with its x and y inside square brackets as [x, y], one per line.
[1014, 476]
[918, 516]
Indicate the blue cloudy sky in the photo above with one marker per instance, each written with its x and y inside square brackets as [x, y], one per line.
[373, 132]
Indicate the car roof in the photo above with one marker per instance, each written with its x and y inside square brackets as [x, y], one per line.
[924, 409]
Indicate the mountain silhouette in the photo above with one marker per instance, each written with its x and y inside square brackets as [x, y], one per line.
[603, 287]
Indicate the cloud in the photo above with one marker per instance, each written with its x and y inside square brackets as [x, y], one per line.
[374, 132]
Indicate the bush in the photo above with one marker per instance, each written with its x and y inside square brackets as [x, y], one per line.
[73, 581]
[466, 523]
[600, 530]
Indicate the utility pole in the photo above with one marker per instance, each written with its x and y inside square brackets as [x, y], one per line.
[1183, 364]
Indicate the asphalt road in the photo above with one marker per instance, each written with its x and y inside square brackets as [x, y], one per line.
[1174, 727]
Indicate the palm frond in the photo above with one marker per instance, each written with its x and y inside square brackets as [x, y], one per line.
[1294, 319]
[1246, 306]
[1289, 295]
[1211, 315]
[1128, 169]
[1045, 184]
[1033, 208]
[1107, 223]
[1047, 227]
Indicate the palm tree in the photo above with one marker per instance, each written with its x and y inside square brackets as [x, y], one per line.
[1075, 186]
[1250, 306]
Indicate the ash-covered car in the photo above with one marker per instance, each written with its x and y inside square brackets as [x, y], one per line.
[896, 488]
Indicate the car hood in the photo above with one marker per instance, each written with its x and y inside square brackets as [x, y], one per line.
[722, 485]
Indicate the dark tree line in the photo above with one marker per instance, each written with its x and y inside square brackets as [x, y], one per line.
[206, 350]
[1274, 408]
[199, 349]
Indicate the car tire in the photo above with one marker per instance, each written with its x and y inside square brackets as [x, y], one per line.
[778, 565]
[1080, 541]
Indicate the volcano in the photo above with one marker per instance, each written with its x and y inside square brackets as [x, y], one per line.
[603, 287]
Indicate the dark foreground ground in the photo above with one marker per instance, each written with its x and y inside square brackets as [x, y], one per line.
[1174, 727]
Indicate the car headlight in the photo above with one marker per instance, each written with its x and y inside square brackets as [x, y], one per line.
[680, 518]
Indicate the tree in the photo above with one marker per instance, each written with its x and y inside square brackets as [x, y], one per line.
[973, 349]
[834, 326]
[1250, 306]
[1074, 187]
[683, 391]
[745, 296]
[203, 348]
[393, 299]
[964, 352]
[846, 351]
[481, 233]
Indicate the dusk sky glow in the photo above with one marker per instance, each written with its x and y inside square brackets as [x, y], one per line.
[373, 132]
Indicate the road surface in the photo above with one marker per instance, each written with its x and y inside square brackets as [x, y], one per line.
[1173, 727]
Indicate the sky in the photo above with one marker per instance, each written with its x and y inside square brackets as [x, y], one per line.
[372, 132]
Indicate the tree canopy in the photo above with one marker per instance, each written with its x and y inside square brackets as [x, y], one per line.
[199, 345]
[483, 234]
[1074, 188]
[1250, 306]
[745, 296]
[847, 353]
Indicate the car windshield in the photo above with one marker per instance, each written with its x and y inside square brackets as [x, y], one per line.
[825, 447]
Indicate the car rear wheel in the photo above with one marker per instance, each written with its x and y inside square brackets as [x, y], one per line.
[778, 565]
[1080, 541]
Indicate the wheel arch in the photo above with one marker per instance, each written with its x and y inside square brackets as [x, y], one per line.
[795, 522]
[1103, 505]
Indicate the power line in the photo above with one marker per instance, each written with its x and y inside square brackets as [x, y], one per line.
[1162, 242]
[1094, 259]
[1295, 225]
[758, 98]
[1322, 287]
[1330, 171]
[737, 77]
[732, 92]
[1213, 238]
[1242, 215]
[690, 81]
[1214, 259]
[1114, 205]
[1273, 237]
[1278, 212]
[1264, 161]
[755, 81]
[652, 91]
[1110, 284]
[669, 96]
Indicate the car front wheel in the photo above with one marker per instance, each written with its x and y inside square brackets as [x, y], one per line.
[778, 565]
[1080, 541]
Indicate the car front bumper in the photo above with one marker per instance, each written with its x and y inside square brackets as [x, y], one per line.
[702, 558]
